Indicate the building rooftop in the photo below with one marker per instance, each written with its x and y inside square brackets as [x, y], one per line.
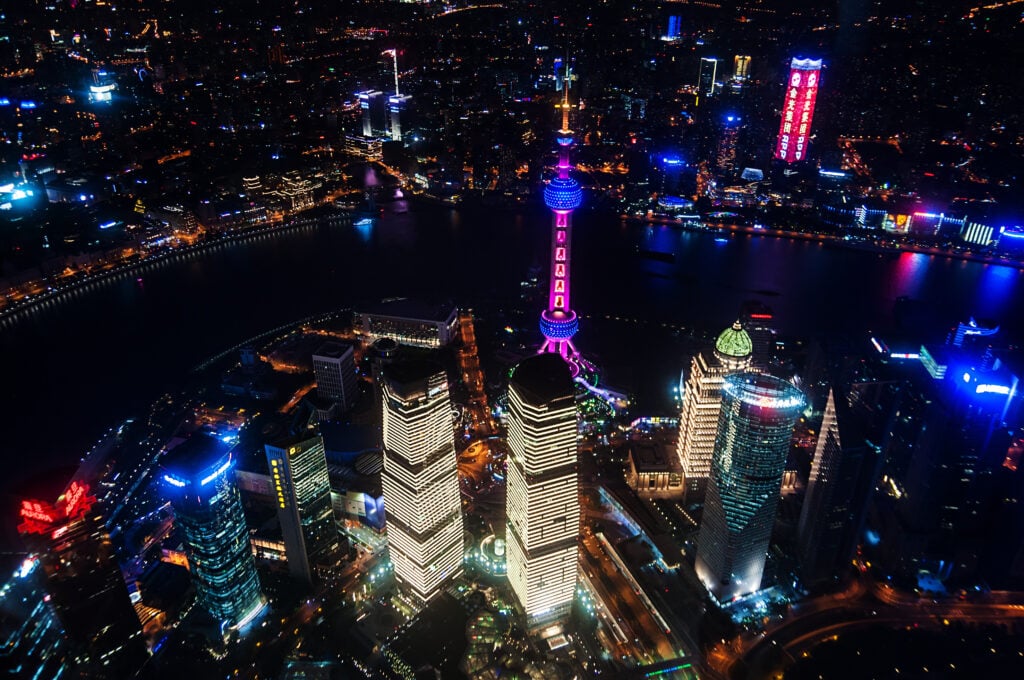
[764, 391]
[194, 458]
[333, 349]
[344, 440]
[650, 457]
[407, 308]
[410, 378]
[293, 440]
[543, 378]
[734, 342]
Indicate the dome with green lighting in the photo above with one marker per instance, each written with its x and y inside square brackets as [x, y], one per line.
[734, 343]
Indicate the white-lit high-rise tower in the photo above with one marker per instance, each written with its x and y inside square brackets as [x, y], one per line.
[702, 401]
[420, 478]
[542, 506]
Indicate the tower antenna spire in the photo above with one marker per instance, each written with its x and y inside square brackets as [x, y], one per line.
[394, 58]
[565, 98]
[559, 323]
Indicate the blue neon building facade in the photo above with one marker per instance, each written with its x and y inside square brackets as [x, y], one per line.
[199, 480]
[755, 426]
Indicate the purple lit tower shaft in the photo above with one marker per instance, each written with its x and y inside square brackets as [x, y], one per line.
[558, 322]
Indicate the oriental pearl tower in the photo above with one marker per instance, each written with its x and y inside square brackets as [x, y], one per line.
[558, 323]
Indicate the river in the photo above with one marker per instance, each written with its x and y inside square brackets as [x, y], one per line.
[72, 369]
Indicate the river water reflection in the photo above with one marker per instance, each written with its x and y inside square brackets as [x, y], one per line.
[73, 369]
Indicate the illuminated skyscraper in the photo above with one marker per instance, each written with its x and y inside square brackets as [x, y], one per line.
[673, 29]
[725, 157]
[396, 105]
[702, 403]
[843, 475]
[84, 582]
[706, 77]
[335, 370]
[798, 110]
[542, 506]
[371, 102]
[741, 67]
[558, 323]
[420, 478]
[754, 431]
[298, 469]
[200, 483]
[31, 636]
[398, 102]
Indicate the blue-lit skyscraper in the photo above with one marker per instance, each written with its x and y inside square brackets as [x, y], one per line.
[674, 28]
[32, 641]
[754, 431]
[397, 104]
[200, 483]
[371, 102]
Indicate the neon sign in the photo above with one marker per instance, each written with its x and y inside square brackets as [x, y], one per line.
[763, 400]
[75, 498]
[216, 473]
[798, 109]
[174, 481]
[34, 510]
[992, 389]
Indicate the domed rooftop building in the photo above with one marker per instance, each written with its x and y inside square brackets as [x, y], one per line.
[734, 347]
[702, 402]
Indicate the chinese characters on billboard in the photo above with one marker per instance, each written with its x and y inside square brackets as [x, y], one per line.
[41, 517]
[798, 110]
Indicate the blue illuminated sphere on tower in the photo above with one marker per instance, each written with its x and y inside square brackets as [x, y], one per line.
[558, 325]
[563, 194]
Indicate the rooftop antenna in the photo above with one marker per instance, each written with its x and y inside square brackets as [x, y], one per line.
[565, 96]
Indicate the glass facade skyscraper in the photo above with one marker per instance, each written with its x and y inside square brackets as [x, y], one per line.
[542, 505]
[298, 470]
[84, 583]
[200, 484]
[755, 427]
[843, 475]
[32, 642]
[420, 478]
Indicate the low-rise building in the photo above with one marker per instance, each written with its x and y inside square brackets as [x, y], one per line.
[652, 471]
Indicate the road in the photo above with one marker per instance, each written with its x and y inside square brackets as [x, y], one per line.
[473, 377]
[864, 602]
[646, 641]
